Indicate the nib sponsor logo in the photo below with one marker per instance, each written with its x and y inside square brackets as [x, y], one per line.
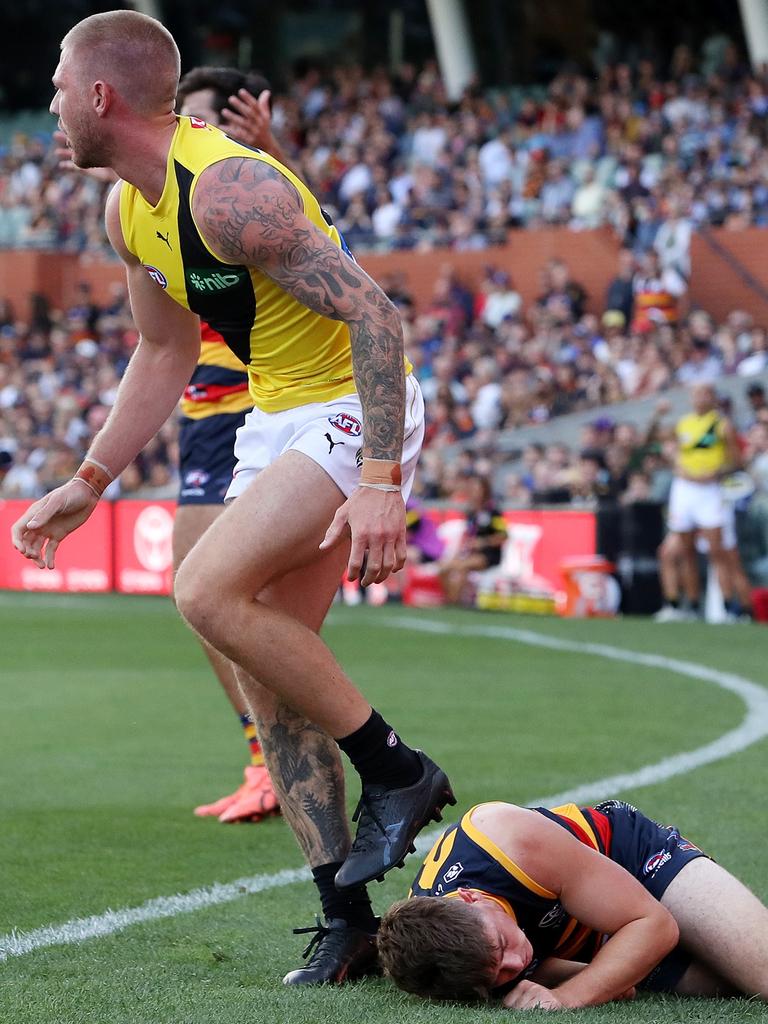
[214, 280]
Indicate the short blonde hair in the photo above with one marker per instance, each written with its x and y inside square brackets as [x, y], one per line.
[133, 52]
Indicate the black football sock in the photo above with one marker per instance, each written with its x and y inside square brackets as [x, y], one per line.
[352, 905]
[380, 756]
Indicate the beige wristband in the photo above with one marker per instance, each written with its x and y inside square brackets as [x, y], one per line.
[95, 476]
[381, 471]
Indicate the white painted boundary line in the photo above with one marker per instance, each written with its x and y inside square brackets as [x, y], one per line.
[111, 921]
[753, 728]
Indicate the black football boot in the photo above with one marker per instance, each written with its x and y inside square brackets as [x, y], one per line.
[388, 821]
[339, 952]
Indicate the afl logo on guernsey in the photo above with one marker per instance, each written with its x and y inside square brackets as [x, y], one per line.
[157, 275]
[196, 122]
[346, 423]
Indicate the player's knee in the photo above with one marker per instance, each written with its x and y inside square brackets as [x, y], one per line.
[196, 598]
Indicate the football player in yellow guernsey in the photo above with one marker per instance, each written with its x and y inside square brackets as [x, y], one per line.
[209, 228]
[214, 406]
[707, 450]
[573, 906]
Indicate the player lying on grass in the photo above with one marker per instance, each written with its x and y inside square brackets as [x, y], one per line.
[573, 907]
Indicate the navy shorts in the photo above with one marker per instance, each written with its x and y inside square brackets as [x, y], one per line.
[207, 457]
[655, 854]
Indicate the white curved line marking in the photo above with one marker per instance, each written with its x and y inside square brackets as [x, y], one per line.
[753, 728]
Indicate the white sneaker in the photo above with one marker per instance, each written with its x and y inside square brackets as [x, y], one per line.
[670, 614]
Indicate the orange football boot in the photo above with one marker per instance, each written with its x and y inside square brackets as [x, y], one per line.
[253, 800]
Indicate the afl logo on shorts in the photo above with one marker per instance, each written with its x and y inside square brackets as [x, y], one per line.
[346, 423]
[657, 861]
[157, 275]
[196, 478]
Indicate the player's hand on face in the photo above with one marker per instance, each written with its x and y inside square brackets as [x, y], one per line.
[376, 520]
[40, 530]
[248, 119]
[527, 995]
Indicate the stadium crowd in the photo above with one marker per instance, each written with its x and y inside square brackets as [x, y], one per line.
[486, 364]
[399, 166]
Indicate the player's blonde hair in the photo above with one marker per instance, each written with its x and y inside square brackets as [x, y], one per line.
[132, 52]
[436, 948]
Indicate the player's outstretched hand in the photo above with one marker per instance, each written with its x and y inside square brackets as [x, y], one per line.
[248, 119]
[44, 525]
[376, 520]
[527, 995]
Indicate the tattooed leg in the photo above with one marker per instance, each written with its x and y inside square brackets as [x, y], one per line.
[306, 771]
[303, 761]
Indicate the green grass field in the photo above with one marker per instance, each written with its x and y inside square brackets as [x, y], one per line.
[112, 729]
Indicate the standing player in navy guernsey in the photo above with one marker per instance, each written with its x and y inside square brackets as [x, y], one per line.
[209, 228]
[573, 906]
[213, 409]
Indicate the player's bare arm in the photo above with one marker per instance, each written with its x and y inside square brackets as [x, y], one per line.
[250, 213]
[734, 456]
[641, 931]
[157, 374]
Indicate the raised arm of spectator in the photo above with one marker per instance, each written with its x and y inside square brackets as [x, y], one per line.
[249, 120]
[734, 455]
[163, 362]
[663, 408]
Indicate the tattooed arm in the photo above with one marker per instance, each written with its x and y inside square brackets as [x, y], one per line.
[250, 213]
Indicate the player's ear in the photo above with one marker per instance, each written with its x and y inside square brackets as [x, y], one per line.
[468, 896]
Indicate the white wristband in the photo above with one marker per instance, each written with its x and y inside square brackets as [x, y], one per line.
[101, 466]
[89, 486]
[391, 488]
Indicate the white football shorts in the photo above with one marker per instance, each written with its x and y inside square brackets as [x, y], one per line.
[329, 433]
[694, 506]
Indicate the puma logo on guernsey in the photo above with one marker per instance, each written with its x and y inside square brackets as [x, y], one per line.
[214, 280]
[164, 238]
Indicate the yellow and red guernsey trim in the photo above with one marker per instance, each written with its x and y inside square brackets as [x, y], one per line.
[220, 381]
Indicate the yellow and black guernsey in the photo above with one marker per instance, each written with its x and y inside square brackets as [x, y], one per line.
[293, 355]
[465, 858]
[702, 448]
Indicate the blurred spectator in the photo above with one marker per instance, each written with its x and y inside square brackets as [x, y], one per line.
[620, 296]
[481, 545]
[654, 155]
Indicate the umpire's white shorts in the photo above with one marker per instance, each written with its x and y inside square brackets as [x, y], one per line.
[329, 433]
[694, 506]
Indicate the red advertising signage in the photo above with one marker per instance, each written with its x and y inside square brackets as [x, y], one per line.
[127, 547]
[537, 545]
[83, 561]
[143, 550]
